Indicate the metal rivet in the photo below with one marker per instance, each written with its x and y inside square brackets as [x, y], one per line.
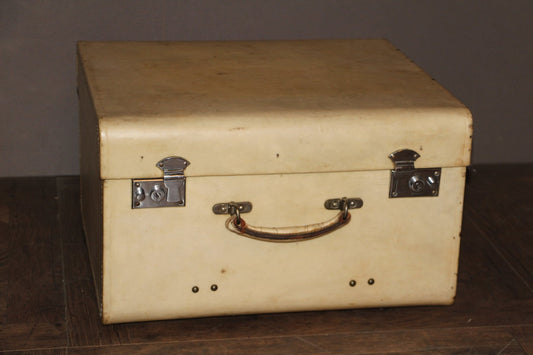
[353, 283]
[214, 287]
[195, 289]
[394, 193]
[137, 184]
[434, 192]
[370, 281]
[392, 155]
[137, 204]
[180, 202]
[436, 173]
[161, 164]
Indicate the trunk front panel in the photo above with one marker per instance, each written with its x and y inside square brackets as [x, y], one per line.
[154, 257]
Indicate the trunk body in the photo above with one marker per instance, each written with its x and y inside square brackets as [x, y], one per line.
[285, 125]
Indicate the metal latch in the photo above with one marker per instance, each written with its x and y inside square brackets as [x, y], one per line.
[166, 192]
[407, 181]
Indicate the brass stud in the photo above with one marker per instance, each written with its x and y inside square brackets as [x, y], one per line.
[214, 287]
[195, 289]
[353, 283]
[370, 281]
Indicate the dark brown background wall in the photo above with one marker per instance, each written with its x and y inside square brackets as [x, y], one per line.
[482, 51]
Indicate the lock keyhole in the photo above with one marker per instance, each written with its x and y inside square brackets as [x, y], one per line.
[416, 184]
[157, 194]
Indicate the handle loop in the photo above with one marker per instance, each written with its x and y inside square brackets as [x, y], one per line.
[345, 207]
[235, 212]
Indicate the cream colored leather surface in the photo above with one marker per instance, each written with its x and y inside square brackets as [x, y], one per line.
[234, 108]
[154, 257]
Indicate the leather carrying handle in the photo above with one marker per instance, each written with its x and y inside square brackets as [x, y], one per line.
[287, 234]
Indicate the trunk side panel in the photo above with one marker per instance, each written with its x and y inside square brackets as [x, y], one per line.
[90, 183]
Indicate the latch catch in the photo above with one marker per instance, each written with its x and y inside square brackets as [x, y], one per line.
[407, 181]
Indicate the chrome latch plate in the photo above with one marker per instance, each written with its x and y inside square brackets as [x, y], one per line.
[407, 181]
[166, 192]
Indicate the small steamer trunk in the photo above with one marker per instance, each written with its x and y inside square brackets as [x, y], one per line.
[248, 177]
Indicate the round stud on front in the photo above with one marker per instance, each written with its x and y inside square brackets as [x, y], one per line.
[195, 289]
[214, 287]
[371, 281]
[353, 283]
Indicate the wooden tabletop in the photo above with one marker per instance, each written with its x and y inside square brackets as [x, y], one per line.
[48, 305]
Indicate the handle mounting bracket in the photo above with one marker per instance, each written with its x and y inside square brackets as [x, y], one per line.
[232, 207]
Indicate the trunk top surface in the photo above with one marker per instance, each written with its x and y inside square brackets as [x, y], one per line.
[268, 107]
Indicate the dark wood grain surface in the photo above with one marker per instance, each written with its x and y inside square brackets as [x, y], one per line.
[32, 297]
[48, 303]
